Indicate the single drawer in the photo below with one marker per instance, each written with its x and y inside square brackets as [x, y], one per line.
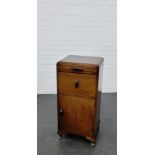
[77, 84]
[77, 68]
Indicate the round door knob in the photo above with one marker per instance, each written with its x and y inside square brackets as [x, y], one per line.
[61, 111]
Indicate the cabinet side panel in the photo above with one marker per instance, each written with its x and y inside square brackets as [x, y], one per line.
[99, 93]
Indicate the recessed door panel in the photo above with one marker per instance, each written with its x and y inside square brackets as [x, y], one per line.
[76, 114]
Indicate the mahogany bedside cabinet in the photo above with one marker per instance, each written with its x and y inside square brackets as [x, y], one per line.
[79, 85]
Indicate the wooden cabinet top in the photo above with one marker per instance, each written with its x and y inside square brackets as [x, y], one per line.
[90, 60]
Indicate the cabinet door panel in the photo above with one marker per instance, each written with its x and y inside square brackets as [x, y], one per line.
[78, 114]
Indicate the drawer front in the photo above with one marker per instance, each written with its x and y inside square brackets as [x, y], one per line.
[78, 68]
[77, 84]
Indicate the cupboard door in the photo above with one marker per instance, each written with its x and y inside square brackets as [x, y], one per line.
[76, 114]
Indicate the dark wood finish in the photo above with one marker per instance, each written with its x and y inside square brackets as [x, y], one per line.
[79, 85]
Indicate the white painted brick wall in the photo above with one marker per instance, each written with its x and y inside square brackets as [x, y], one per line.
[79, 27]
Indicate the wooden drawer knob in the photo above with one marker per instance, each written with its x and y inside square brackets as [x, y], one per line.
[76, 84]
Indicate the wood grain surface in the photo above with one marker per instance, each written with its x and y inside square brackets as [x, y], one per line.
[79, 95]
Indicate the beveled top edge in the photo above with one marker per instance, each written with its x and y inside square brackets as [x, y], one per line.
[78, 59]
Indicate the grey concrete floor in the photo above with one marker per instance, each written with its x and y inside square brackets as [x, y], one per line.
[48, 143]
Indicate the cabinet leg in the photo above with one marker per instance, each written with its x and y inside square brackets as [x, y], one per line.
[93, 144]
[92, 141]
[60, 136]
